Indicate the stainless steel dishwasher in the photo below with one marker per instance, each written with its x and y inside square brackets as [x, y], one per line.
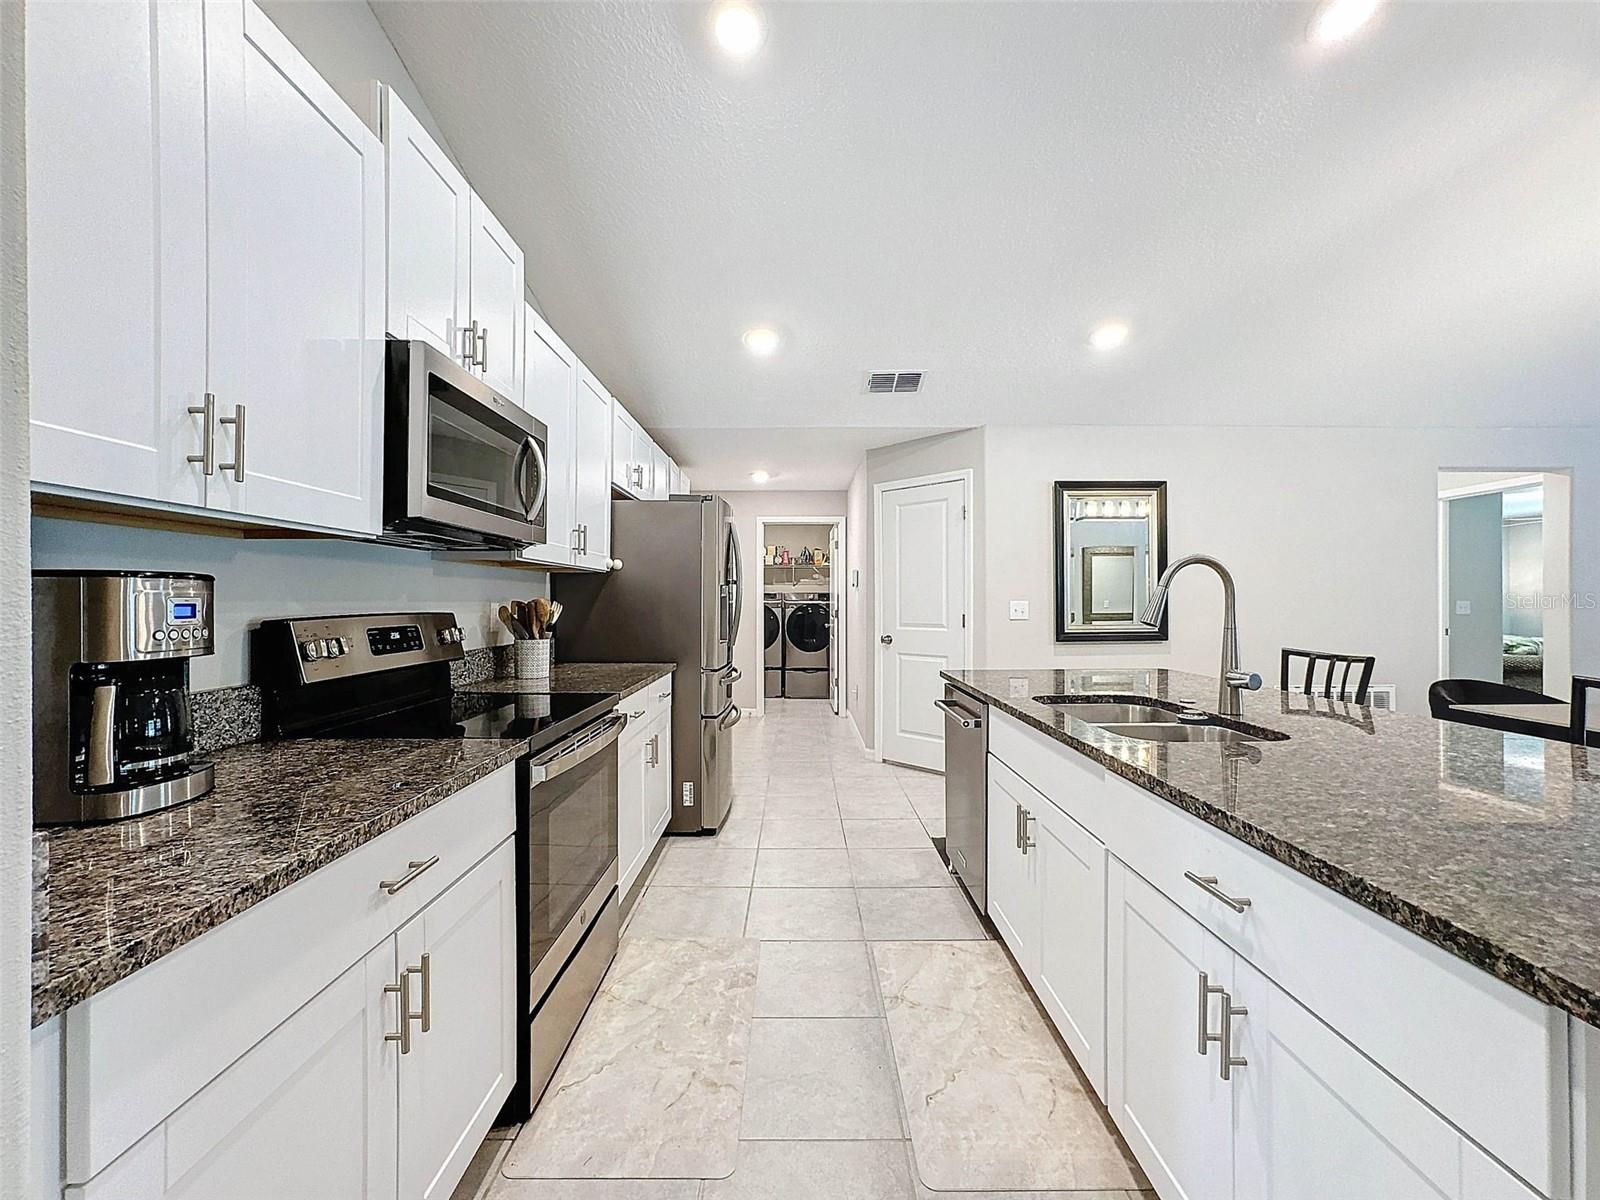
[966, 799]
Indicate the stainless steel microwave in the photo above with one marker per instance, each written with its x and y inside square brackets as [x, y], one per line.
[463, 467]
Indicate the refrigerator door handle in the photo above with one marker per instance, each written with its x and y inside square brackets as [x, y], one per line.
[730, 718]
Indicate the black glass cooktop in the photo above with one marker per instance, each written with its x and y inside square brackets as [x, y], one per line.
[543, 717]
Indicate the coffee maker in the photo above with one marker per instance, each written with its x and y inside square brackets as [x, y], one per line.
[111, 730]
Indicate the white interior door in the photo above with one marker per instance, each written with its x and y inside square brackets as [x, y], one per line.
[921, 613]
[836, 569]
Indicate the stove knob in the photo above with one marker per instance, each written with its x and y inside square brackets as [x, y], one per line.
[333, 647]
[311, 649]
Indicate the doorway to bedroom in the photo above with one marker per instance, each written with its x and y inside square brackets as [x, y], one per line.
[1505, 567]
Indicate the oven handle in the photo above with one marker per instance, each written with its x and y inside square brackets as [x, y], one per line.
[560, 761]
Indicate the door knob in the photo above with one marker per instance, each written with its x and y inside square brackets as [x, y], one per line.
[887, 639]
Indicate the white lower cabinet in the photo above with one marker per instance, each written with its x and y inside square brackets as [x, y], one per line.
[261, 1129]
[1165, 1095]
[1227, 1084]
[644, 791]
[1047, 896]
[460, 954]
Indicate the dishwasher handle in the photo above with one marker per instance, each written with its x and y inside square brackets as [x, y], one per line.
[959, 715]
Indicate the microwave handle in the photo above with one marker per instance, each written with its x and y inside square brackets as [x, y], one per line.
[532, 447]
[518, 468]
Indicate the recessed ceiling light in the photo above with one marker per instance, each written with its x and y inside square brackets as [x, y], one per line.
[761, 341]
[759, 477]
[1109, 335]
[738, 29]
[1336, 20]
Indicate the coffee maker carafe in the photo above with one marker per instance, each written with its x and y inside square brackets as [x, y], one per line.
[112, 733]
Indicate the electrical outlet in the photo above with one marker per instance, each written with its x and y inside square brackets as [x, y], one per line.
[1463, 608]
[1019, 610]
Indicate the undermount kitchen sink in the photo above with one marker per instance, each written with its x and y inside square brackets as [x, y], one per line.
[1179, 733]
[1098, 712]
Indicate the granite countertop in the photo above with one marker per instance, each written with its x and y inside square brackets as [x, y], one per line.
[112, 898]
[622, 678]
[1483, 842]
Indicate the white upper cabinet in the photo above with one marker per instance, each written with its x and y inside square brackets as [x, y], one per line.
[455, 275]
[550, 383]
[295, 188]
[497, 302]
[591, 439]
[660, 466]
[204, 205]
[627, 473]
[117, 246]
[430, 214]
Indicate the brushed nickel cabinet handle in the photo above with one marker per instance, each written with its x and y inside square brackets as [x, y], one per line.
[207, 412]
[1205, 1036]
[1230, 1061]
[483, 347]
[402, 989]
[1027, 839]
[237, 465]
[418, 866]
[469, 345]
[426, 1013]
[1208, 885]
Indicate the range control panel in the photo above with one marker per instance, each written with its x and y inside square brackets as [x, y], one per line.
[338, 647]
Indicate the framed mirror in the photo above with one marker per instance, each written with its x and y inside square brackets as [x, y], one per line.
[1111, 547]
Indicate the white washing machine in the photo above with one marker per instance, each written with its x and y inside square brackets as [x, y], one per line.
[807, 647]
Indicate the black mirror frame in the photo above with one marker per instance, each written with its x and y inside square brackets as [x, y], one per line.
[1059, 493]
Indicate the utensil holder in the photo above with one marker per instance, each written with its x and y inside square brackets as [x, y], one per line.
[530, 659]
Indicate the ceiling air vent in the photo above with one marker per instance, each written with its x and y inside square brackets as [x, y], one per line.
[883, 382]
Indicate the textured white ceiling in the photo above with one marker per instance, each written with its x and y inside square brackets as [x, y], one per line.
[808, 458]
[1404, 232]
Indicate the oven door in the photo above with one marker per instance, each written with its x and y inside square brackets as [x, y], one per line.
[462, 464]
[568, 823]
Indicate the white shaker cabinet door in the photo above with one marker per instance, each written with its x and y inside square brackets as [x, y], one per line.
[461, 952]
[658, 788]
[307, 1111]
[116, 186]
[1071, 979]
[550, 381]
[1310, 1108]
[1164, 1085]
[1013, 882]
[633, 754]
[297, 283]
[429, 234]
[591, 437]
[660, 481]
[497, 302]
[625, 472]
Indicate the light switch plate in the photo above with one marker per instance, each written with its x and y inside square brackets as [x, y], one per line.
[1463, 608]
[1019, 610]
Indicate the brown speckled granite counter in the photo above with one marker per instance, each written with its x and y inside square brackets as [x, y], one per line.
[622, 678]
[1484, 843]
[109, 899]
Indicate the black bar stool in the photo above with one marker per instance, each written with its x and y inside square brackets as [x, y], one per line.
[1334, 662]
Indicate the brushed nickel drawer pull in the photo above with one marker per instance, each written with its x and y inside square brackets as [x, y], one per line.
[207, 458]
[237, 465]
[417, 868]
[1229, 1059]
[1205, 1036]
[402, 990]
[426, 971]
[1208, 885]
[1027, 838]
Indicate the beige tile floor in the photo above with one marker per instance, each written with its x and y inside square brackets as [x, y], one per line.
[826, 864]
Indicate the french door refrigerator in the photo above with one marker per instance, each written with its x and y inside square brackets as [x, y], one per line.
[678, 598]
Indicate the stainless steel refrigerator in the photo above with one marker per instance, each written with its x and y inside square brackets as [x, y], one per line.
[678, 598]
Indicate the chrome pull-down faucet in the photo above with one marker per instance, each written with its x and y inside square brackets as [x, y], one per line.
[1233, 680]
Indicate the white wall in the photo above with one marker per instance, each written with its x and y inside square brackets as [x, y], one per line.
[963, 450]
[1331, 535]
[1561, 567]
[259, 578]
[16, 707]
[747, 508]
